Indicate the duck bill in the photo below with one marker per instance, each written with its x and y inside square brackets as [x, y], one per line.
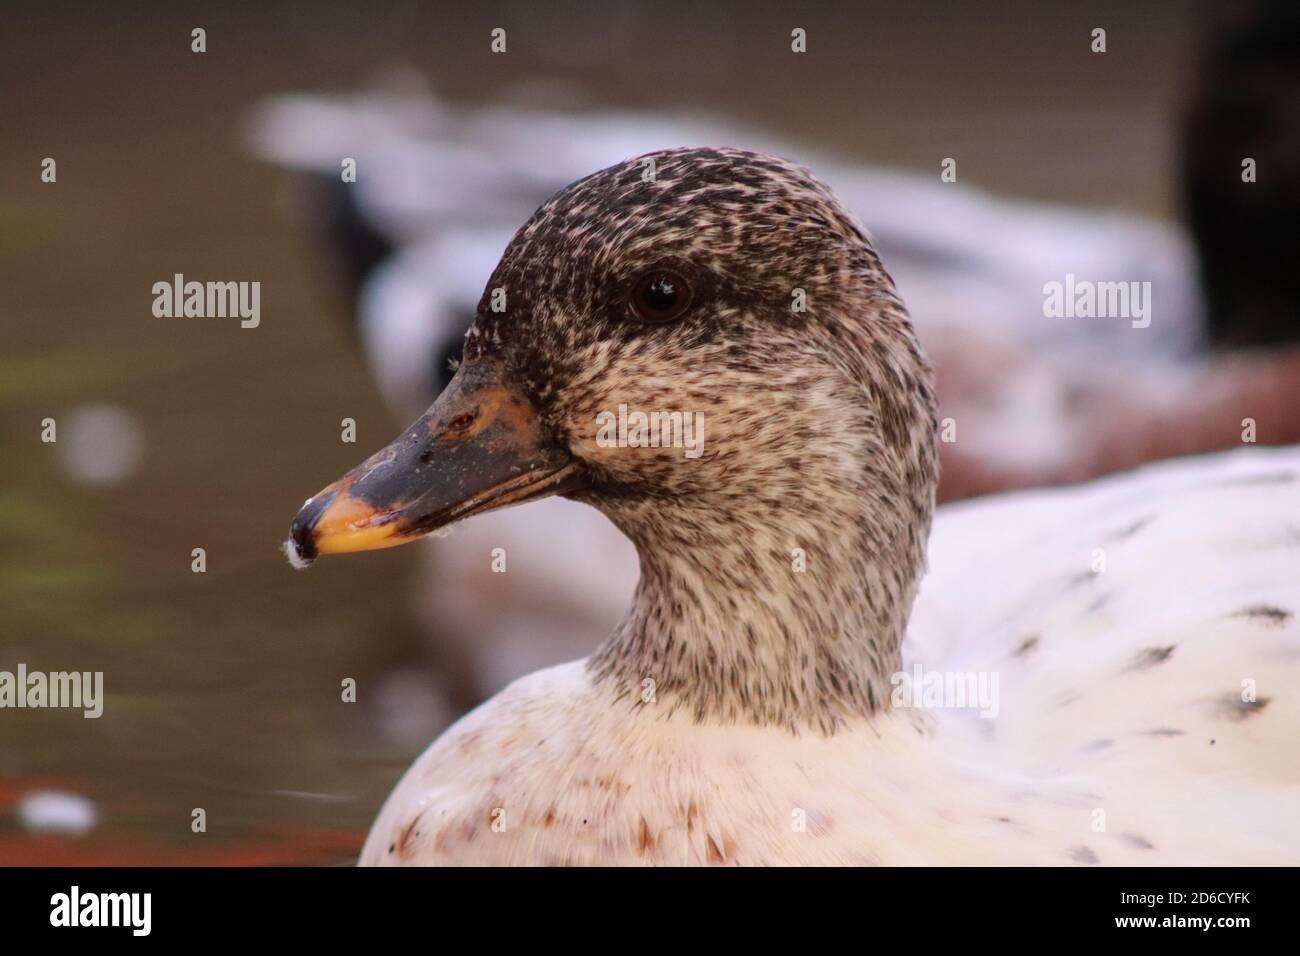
[479, 447]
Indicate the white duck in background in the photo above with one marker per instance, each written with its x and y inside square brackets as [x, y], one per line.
[446, 187]
[1140, 631]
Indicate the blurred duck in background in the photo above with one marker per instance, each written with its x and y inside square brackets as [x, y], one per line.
[1031, 393]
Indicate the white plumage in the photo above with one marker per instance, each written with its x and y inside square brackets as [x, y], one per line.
[1126, 731]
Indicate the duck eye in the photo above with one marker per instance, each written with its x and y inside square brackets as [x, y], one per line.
[660, 296]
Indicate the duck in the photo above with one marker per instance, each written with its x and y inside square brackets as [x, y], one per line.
[1098, 674]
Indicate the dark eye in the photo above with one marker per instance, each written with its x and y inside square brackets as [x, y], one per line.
[660, 296]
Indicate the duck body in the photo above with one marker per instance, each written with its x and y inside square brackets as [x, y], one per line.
[1121, 734]
[553, 771]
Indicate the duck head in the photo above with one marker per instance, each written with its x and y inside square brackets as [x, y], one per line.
[702, 344]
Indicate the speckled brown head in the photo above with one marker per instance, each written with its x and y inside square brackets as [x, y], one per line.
[780, 561]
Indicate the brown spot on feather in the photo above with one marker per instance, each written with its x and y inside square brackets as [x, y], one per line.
[1140, 842]
[714, 854]
[1083, 854]
[1129, 530]
[644, 839]
[1025, 646]
[1151, 656]
[406, 836]
[1235, 709]
[1264, 614]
